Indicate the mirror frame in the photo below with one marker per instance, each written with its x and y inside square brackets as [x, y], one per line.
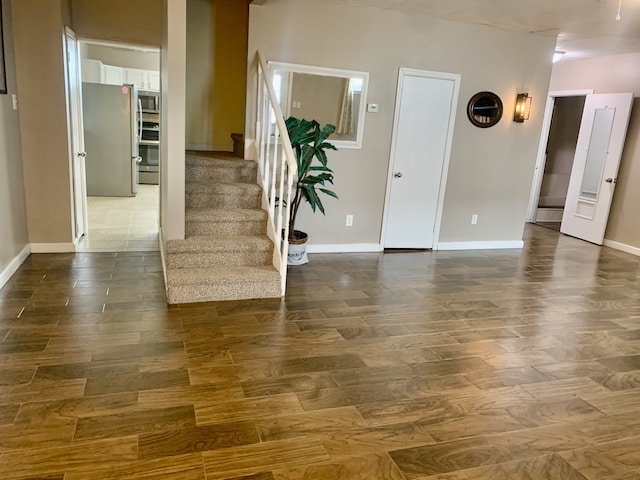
[472, 103]
[334, 72]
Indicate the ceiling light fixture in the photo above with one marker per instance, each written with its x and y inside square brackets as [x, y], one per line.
[619, 10]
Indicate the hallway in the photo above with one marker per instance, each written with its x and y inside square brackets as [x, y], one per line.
[501, 364]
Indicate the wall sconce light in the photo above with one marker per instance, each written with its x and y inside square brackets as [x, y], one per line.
[523, 108]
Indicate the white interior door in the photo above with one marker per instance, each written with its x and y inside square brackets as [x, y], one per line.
[595, 167]
[76, 133]
[423, 128]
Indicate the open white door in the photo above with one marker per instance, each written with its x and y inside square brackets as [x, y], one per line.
[593, 177]
[420, 150]
[76, 133]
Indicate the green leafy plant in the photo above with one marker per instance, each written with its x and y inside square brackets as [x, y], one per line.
[308, 140]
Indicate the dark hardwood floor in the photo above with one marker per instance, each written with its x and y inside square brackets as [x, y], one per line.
[471, 365]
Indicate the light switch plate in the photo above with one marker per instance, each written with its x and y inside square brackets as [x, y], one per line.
[373, 108]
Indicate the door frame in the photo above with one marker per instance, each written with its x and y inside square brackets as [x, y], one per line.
[79, 218]
[541, 159]
[456, 78]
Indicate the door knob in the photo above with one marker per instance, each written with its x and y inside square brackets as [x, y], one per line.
[398, 174]
[611, 180]
[82, 154]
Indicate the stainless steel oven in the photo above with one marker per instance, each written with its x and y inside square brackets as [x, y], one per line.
[149, 167]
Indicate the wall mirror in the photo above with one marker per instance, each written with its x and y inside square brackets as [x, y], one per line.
[328, 95]
[484, 109]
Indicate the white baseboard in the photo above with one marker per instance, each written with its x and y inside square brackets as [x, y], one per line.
[492, 245]
[53, 247]
[623, 247]
[162, 256]
[14, 264]
[345, 248]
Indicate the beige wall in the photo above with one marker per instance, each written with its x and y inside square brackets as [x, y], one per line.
[13, 217]
[172, 141]
[138, 22]
[121, 57]
[491, 169]
[38, 36]
[614, 74]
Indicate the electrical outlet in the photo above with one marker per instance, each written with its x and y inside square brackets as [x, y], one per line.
[349, 222]
[474, 219]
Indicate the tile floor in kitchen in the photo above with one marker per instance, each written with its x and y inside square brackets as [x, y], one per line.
[123, 224]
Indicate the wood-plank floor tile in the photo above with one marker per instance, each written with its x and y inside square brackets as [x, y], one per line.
[608, 460]
[126, 424]
[380, 439]
[344, 396]
[366, 467]
[23, 463]
[505, 378]
[182, 467]
[260, 457]
[255, 407]
[288, 384]
[309, 423]
[137, 381]
[547, 467]
[196, 439]
[536, 415]
[425, 410]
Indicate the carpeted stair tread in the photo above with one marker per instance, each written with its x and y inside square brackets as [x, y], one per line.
[221, 221]
[206, 244]
[217, 170]
[223, 275]
[222, 283]
[207, 161]
[225, 215]
[222, 188]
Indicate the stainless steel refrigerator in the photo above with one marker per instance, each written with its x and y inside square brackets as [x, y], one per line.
[112, 123]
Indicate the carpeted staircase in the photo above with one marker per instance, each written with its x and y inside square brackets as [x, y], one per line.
[226, 254]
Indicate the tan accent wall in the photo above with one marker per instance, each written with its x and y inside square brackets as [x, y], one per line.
[200, 81]
[38, 36]
[230, 72]
[138, 22]
[216, 72]
[613, 74]
[13, 216]
[491, 170]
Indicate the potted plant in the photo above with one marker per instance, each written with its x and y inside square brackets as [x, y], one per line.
[308, 140]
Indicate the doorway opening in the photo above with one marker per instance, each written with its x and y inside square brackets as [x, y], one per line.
[122, 169]
[583, 207]
[559, 154]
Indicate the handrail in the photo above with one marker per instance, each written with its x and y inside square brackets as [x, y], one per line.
[277, 166]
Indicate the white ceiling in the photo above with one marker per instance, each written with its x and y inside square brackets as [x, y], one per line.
[585, 28]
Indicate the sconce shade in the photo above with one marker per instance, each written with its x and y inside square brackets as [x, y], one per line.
[523, 108]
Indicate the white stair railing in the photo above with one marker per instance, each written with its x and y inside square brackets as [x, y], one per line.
[277, 166]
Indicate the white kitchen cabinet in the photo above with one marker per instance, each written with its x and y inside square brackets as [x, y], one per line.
[154, 81]
[112, 75]
[143, 79]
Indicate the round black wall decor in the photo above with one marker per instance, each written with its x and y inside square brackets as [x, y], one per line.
[484, 109]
